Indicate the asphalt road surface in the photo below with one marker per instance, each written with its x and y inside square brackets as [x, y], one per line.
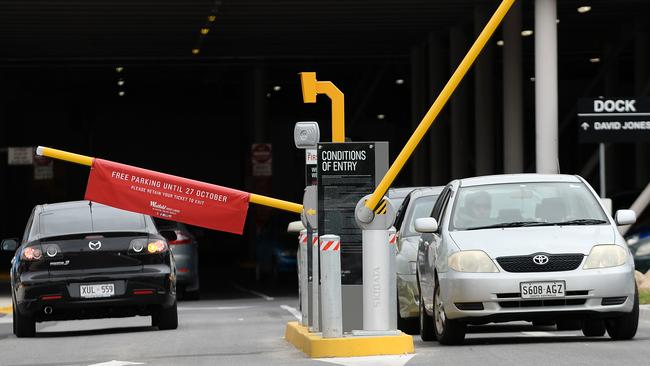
[245, 327]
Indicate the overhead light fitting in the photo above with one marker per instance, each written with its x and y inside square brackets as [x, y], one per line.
[584, 9]
[381, 116]
[212, 18]
[119, 69]
[594, 60]
[121, 93]
[205, 31]
[532, 79]
[277, 88]
[500, 43]
[526, 33]
[195, 51]
[399, 81]
[120, 82]
[268, 95]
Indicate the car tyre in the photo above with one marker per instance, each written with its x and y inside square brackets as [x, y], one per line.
[407, 325]
[448, 331]
[625, 327]
[427, 333]
[24, 326]
[593, 328]
[167, 318]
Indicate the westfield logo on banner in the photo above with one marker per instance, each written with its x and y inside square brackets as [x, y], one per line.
[167, 196]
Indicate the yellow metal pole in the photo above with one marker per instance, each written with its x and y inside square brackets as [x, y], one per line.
[439, 103]
[311, 88]
[87, 160]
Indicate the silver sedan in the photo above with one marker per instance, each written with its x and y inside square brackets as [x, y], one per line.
[418, 203]
[530, 247]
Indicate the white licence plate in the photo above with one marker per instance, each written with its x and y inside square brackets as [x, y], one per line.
[98, 290]
[537, 290]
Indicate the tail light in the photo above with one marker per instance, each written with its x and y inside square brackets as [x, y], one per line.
[32, 253]
[180, 238]
[147, 246]
[157, 246]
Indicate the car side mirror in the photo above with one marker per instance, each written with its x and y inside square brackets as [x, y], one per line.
[169, 235]
[9, 245]
[426, 225]
[295, 227]
[625, 217]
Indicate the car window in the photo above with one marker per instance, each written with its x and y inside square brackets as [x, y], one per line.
[28, 227]
[401, 211]
[421, 207]
[441, 203]
[512, 203]
[71, 220]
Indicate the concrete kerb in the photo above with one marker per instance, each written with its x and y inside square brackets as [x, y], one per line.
[315, 346]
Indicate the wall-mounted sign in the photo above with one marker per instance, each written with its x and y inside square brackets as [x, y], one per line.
[614, 120]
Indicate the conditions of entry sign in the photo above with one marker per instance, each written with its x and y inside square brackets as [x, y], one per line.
[167, 196]
[614, 120]
[346, 172]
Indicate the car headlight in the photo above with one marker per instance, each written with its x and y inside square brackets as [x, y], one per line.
[471, 261]
[603, 256]
[643, 250]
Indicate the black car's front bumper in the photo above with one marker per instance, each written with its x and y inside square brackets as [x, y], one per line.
[137, 293]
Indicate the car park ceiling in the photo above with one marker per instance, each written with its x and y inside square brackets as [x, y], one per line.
[60, 30]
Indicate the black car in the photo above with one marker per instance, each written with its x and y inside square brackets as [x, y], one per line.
[83, 260]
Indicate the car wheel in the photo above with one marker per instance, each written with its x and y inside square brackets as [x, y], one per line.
[593, 328]
[407, 325]
[624, 327]
[24, 326]
[426, 324]
[167, 318]
[447, 331]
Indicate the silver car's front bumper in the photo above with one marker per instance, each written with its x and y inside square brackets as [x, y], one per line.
[499, 292]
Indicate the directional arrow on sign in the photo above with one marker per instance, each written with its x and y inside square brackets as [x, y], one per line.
[585, 126]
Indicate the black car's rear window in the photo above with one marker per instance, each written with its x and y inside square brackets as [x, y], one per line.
[71, 220]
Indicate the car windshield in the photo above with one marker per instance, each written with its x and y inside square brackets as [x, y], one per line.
[525, 204]
[422, 207]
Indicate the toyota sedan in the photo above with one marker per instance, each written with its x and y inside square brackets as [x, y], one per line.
[538, 248]
[82, 260]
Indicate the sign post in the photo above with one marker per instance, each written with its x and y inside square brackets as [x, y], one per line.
[347, 172]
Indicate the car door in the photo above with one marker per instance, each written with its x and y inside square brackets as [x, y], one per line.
[428, 244]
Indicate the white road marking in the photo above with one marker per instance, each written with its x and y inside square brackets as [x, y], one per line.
[190, 308]
[265, 297]
[293, 311]
[396, 360]
[539, 334]
[116, 363]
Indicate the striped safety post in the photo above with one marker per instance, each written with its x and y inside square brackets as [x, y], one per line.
[330, 252]
[303, 281]
[315, 264]
[392, 244]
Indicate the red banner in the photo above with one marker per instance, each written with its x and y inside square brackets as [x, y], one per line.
[167, 196]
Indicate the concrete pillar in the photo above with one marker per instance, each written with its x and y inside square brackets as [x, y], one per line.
[419, 161]
[461, 140]
[513, 90]
[484, 99]
[641, 88]
[438, 65]
[546, 89]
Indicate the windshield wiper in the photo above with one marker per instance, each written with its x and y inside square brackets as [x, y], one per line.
[580, 222]
[510, 224]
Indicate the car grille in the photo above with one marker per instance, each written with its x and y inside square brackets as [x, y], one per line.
[556, 262]
[608, 301]
[541, 303]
